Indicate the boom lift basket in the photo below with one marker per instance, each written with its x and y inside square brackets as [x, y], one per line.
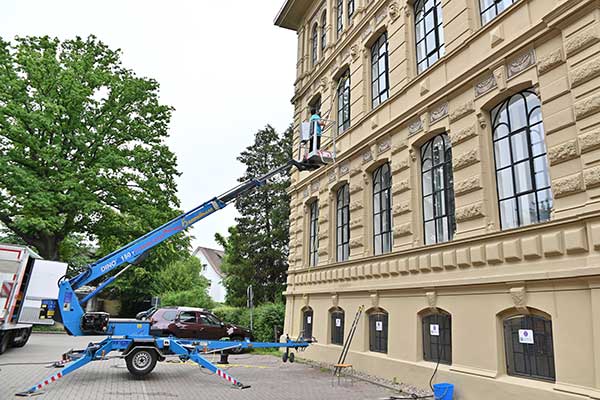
[308, 151]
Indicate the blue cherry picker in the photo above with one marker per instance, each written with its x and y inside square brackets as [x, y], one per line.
[132, 338]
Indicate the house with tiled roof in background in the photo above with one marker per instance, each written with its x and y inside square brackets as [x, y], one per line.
[211, 260]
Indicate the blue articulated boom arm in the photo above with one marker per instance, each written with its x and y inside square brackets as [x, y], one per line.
[70, 306]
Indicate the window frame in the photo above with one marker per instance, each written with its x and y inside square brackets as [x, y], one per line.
[529, 161]
[385, 213]
[313, 238]
[443, 341]
[315, 44]
[532, 354]
[323, 32]
[340, 18]
[337, 332]
[493, 6]
[307, 312]
[378, 342]
[350, 4]
[342, 209]
[444, 193]
[343, 107]
[376, 57]
[438, 50]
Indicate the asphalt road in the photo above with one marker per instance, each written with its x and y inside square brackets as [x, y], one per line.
[268, 376]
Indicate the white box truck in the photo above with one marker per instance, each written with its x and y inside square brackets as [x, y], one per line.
[25, 281]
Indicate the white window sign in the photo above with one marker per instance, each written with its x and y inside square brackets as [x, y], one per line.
[434, 329]
[379, 326]
[338, 322]
[526, 336]
[309, 319]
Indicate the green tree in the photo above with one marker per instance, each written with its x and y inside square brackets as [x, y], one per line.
[256, 250]
[83, 153]
[180, 284]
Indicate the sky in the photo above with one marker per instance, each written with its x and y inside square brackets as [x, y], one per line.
[223, 65]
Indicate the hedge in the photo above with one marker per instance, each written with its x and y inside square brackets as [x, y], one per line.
[266, 317]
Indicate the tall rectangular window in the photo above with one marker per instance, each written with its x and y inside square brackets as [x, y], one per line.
[315, 45]
[490, 8]
[438, 190]
[323, 31]
[429, 32]
[382, 210]
[307, 323]
[379, 71]
[337, 326]
[313, 244]
[343, 223]
[437, 338]
[522, 178]
[350, 11]
[340, 17]
[378, 331]
[343, 102]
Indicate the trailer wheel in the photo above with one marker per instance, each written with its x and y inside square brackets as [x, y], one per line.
[292, 357]
[4, 340]
[22, 339]
[141, 361]
[284, 357]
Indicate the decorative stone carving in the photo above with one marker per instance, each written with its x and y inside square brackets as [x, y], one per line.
[591, 177]
[355, 243]
[401, 187]
[467, 185]
[500, 77]
[481, 119]
[415, 126]
[550, 61]
[355, 205]
[314, 186]
[335, 299]
[563, 152]
[587, 106]
[305, 299]
[354, 52]
[589, 141]
[398, 147]
[400, 166]
[466, 159]
[412, 154]
[582, 40]
[403, 230]
[365, 177]
[496, 35]
[344, 168]
[355, 188]
[461, 111]
[367, 156]
[586, 72]
[355, 171]
[356, 223]
[438, 112]
[305, 192]
[402, 208]
[374, 299]
[384, 146]
[568, 185]
[485, 85]
[520, 63]
[518, 296]
[469, 212]
[332, 177]
[431, 299]
[462, 135]
[393, 11]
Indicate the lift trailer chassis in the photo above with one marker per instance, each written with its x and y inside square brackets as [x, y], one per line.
[155, 349]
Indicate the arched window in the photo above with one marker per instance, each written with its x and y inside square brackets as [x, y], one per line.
[350, 11]
[343, 223]
[343, 102]
[438, 190]
[340, 17]
[437, 338]
[337, 326]
[382, 209]
[379, 71]
[429, 32]
[323, 31]
[313, 244]
[315, 44]
[490, 8]
[522, 178]
[529, 347]
[378, 331]
[307, 323]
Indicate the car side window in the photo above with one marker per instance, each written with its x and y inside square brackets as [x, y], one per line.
[187, 317]
[169, 315]
[208, 320]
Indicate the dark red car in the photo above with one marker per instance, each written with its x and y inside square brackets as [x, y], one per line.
[194, 323]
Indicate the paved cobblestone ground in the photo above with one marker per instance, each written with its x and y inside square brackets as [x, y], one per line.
[107, 380]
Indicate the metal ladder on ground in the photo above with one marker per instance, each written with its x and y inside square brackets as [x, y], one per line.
[337, 368]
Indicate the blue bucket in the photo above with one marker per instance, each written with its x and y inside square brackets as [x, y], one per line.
[443, 391]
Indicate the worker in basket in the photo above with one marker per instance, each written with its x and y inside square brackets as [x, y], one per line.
[316, 129]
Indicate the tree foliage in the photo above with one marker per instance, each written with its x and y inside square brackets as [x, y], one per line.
[82, 153]
[256, 250]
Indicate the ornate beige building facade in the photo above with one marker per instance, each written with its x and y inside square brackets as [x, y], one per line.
[463, 209]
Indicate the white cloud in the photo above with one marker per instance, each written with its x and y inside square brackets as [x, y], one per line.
[223, 66]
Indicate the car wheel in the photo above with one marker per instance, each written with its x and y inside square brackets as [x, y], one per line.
[141, 361]
[21, 340]
[237, 350]
[4, 340]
